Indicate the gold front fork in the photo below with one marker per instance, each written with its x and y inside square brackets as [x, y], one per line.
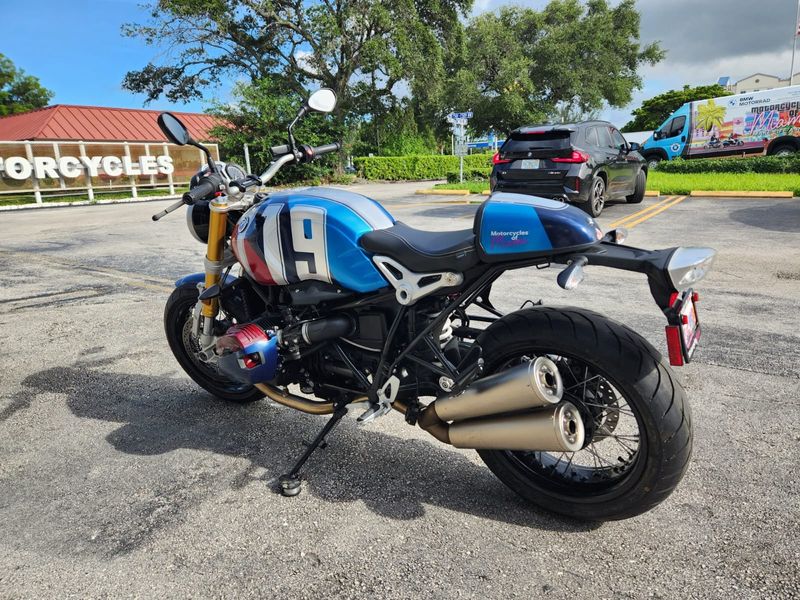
[217, 225]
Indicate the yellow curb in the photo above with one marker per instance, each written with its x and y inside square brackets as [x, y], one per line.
[652, 193]
[444, 192]
[719, 194]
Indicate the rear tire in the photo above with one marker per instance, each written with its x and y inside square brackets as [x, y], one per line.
[597, 197]
[177, 317]
[624, 362]
[784, 150]
[638, 192]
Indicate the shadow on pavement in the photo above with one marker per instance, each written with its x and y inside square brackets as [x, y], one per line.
[783, 216]
[394, 477]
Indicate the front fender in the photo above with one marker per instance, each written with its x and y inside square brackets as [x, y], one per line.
[196, 278]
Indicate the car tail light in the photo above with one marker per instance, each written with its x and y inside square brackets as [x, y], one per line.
[577, 156]
[496, 160]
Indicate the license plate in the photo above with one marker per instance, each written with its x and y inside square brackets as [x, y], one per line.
[683, 333]
[530, 163]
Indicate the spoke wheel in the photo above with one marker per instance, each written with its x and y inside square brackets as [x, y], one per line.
[613, 435]
[637, 421]
[185, 348]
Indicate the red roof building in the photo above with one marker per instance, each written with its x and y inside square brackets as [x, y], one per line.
[65, 122]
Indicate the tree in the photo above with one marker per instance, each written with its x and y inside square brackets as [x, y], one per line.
[362, 49]
[19, 92]
[520, 66]
[259, 117]
[655, 111]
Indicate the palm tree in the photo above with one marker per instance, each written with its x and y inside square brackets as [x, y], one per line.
[710, 115]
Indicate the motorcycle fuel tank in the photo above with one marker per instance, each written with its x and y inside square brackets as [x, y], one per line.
[516, 226]
[310, 233]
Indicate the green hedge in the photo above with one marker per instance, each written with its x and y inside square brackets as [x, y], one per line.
[757, 164]
[471, 174]
[397, 168]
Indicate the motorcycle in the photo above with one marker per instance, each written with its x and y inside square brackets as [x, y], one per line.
[335, 304]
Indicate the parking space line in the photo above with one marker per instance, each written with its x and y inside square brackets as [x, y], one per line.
[662, 208]
[640, 212]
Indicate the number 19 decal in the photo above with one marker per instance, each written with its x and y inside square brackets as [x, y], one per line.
[309, 244]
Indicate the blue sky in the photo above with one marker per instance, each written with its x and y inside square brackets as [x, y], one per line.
[75, 46]
[76, 49]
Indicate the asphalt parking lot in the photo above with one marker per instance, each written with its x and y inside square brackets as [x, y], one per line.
[119, 477]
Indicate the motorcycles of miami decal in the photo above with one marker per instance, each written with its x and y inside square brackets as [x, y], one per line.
[508, 238]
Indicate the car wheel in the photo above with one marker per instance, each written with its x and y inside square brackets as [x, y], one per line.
[597, 197]
[638, 192]
[784, 150]
[652, 162]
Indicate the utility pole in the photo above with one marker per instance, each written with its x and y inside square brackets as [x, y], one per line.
[794, 44]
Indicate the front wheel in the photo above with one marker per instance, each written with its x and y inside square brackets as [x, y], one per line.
[184, 345]
[637, 419]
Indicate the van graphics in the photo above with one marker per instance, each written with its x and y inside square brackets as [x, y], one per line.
[744, 123]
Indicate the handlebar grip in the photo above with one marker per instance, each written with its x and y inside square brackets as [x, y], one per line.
[326, 148]
[206, 188]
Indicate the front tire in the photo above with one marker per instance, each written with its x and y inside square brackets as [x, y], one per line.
[625, 378]
[177, 325]
[638, 191]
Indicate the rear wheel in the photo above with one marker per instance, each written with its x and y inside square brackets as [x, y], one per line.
[597, 197]
[184, 345]
[637, 420]
[638, 191]
[784, 150]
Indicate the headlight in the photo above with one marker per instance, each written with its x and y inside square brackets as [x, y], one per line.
[687, 266]
[197, 219]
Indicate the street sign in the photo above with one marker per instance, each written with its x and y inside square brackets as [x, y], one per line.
[455, 117]
[461, 148]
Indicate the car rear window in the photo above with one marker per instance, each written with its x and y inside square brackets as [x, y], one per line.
[537, 144]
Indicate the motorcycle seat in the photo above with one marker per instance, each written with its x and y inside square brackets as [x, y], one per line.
[423, 251]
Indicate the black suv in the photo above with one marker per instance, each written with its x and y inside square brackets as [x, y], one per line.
[584, 163]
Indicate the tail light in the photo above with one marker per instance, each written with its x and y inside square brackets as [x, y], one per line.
[496, 160]
[577, 156]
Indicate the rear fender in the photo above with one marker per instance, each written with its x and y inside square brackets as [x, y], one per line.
[652, 263]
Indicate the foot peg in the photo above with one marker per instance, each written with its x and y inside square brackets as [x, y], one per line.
[386, 395]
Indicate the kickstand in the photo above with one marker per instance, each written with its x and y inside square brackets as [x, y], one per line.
[290, 483]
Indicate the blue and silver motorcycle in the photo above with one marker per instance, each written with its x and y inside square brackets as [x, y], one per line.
[319, 300]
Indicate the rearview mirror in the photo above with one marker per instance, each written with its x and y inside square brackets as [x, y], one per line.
[323, 100]
[175, 131]
[656, 135]
[634, 147]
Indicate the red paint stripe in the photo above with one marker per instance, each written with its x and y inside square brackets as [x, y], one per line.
[258, 266]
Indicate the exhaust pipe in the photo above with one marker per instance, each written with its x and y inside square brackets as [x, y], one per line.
[535, 384]
[479, 422]
[558, 429]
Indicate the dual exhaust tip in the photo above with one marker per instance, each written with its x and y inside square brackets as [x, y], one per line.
[517, 409]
